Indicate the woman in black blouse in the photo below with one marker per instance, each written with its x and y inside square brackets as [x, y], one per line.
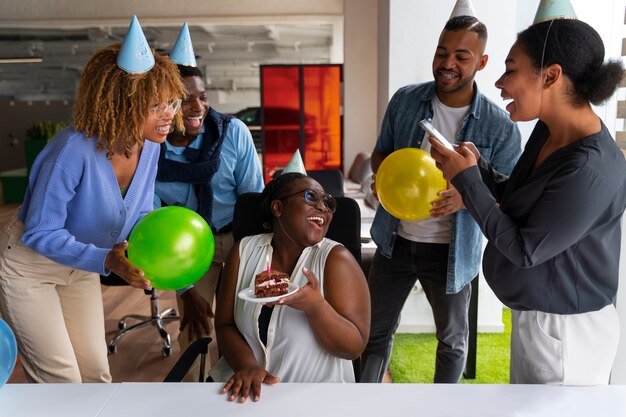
[553, 226]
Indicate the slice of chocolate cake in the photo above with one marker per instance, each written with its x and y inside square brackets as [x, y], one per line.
[271, 284]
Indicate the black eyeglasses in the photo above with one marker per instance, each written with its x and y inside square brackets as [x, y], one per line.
[312, 198]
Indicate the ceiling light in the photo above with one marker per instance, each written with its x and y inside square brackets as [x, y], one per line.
[21, 60]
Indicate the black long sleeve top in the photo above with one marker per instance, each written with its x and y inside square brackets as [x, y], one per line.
[553, 232]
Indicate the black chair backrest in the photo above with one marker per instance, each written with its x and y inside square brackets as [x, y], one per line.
[330, 179]
[345, 227]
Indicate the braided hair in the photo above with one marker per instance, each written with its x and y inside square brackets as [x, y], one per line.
[274, 190]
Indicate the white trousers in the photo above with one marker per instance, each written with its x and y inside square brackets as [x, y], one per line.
[55, 311]
[563, 349]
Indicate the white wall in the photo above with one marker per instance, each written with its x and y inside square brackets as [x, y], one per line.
[78, 13]
[360, 72]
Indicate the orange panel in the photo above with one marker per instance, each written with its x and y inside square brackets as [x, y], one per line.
[281, 116]
[322, 107]
[314, 125]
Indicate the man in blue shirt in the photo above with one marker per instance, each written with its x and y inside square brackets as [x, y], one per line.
[443, 251]
[206, 169]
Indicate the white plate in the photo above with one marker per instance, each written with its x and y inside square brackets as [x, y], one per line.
[248, 295]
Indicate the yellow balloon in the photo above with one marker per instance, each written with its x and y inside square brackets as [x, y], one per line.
[407, 182]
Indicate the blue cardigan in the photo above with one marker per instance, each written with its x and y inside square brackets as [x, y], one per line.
[73, 211]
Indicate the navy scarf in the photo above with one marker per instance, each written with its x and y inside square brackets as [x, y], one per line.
[204, 163]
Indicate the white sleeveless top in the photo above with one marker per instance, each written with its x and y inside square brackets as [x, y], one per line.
[292, 353]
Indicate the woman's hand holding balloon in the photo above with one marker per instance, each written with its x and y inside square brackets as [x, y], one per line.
[117, 262]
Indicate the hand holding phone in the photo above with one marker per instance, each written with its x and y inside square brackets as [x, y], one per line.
[430, 129]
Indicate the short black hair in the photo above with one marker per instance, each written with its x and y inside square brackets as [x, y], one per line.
[467, 22]
[579, 50]
[189, 71]
[277, 188]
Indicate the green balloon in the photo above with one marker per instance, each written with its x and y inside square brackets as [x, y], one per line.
[173, 245]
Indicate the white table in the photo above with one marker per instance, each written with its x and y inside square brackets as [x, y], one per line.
[318, 400]
[54, 400]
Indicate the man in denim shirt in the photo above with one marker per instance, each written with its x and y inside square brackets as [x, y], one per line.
[444, 250]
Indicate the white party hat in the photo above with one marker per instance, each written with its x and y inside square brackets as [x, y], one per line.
[295, 164]
[135, 56]
[183, 54]
[554, 9]
[463, 8]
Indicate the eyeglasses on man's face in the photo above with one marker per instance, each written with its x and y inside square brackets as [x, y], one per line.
[160, 110]
[313, 198]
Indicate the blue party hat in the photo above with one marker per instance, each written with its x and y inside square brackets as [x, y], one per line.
[182, 54]
[295, 164]
[554, 9]
[135, 56]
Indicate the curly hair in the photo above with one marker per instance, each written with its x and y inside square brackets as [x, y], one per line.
[578, 49]
[111, 104]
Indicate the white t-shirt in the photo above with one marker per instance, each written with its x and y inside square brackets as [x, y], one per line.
[448, 121]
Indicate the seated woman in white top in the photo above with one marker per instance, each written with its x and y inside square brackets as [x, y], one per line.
[309, 336]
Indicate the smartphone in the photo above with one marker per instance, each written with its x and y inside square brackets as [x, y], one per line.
[430, 129]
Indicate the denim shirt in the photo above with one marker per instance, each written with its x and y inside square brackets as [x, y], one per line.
[495, 136]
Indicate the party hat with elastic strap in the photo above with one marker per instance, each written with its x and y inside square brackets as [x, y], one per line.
[135, 56]
[296, 164]
[554, 9]
[463, 8]
[183, 54]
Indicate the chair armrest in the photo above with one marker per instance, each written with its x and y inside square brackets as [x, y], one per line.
[181, 367]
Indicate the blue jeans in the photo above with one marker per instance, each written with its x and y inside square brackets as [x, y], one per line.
[390, 282]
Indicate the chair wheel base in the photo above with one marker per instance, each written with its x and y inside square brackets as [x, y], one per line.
[167, 351]
[113, 349]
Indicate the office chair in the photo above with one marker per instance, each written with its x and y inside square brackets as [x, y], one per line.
[199, 347]
[156, 318]
[330, 179]
[361, 167]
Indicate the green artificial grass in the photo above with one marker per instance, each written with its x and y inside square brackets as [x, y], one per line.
[413, 358]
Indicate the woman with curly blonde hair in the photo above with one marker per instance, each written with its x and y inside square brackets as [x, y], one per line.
[87, 189]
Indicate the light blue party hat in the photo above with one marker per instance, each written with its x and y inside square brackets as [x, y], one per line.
[182, 54]
[295, 164]
[554, 9]
[135, 56]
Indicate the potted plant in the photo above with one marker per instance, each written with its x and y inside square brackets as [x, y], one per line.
[37, 135]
